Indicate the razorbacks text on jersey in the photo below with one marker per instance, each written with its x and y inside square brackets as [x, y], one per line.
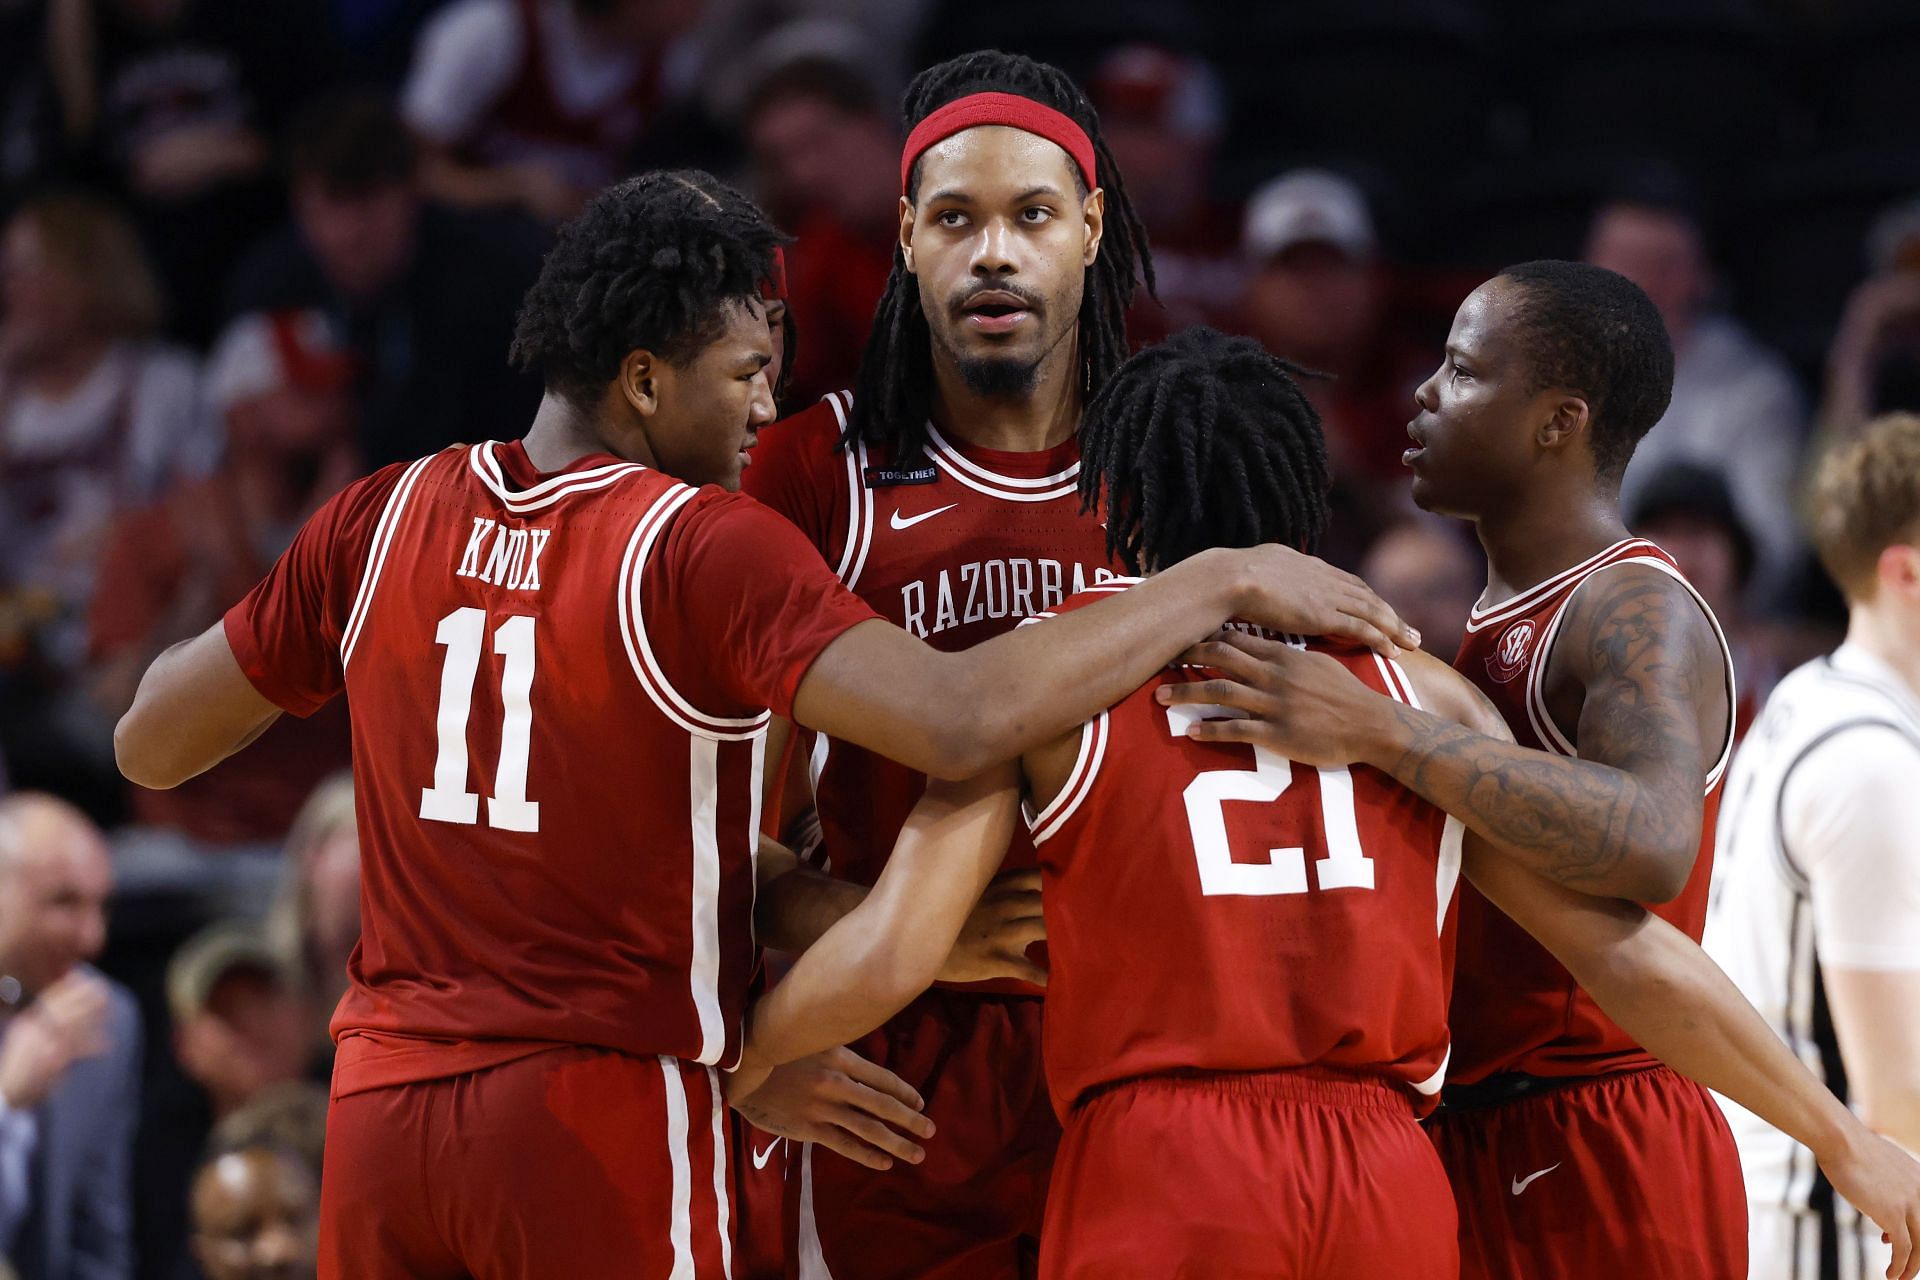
[956, 547]
[1516, 1008]
[1815, 867]
[560, 688]
[1217, 907]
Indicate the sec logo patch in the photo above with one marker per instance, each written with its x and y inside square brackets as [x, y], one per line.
[1509, 657]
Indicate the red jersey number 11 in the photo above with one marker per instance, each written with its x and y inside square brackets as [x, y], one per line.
[448, 799]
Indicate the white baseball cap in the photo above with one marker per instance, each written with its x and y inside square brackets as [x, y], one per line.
[1308, 206]
[265, 351]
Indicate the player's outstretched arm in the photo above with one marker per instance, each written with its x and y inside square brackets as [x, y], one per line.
[1670, 997]
[195, 707]
[1623, 820]
[953, 715]
[888, 949]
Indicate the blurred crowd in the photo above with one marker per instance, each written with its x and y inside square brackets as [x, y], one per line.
[251, 251]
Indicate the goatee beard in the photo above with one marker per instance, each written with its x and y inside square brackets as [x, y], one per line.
[999, 379]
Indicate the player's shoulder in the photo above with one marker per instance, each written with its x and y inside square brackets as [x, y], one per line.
[808, 439]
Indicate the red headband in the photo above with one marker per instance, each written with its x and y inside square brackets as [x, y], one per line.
[1009, 109]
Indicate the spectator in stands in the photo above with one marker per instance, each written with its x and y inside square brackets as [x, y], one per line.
[537, 104]
[69, 1052]
[314, 924]
[424, 294]
[281, 382]
[189, 96]
[292, 1116]
[256, 1214]
[1736, 408]
[95, 416]
[1873, 366]
[826, 158]
[239, 1024]
[1432, 576]
[1163, 114]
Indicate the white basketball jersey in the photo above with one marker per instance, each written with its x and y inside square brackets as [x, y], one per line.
[1784, 902]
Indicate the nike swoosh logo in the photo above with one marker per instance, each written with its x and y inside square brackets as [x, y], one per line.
[1521, 1184]
[760, 1157]
[911, 521]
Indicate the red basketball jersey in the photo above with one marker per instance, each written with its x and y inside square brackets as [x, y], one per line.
[1516, 1008]
[1217, 907]
[957, 548]
[560, 689]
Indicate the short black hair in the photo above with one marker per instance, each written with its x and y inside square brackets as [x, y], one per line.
[894, 391]
[651, 262]
[1595, 332]
[1201, 441]
[352, 142]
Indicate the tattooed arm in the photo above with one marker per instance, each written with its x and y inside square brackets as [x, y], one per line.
[1637, 666]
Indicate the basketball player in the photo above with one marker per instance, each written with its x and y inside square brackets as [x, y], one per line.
[1572, 1152]
[943, 492]
[1816, 893]
[1248, 1000]
[562, 656]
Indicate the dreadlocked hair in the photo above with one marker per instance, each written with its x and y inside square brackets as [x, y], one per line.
[650, 263]
[893, 392]
[1203, 441]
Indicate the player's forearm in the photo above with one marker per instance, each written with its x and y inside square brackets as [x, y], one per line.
[1018, 690]
[794, 910]
[1587, 826]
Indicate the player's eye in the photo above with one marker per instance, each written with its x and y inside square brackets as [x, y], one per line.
[951, 218]
[1036, 214]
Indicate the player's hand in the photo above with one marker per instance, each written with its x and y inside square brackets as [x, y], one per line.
[1883, 1182]
[994, 941]
[1294, 593]
[844, 1103]
[1305, 706]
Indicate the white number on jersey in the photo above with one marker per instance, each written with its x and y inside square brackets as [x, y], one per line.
[1346, 865]
[448, 799]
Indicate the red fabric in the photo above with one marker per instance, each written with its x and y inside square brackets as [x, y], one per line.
[1007, 540]
[1250, 974]
[1009, 109]
[835, 276]
[1644, 1181]
[972, 1210]
[555, 1167]
[1249, 1178]
[1516, 1008]
[622, 916]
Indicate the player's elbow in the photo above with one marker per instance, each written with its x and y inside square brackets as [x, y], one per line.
[140, 750]
[1661, 873]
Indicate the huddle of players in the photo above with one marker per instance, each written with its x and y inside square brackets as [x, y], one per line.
[1249, 875]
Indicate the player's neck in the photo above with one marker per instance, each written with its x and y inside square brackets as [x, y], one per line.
[1029, 423]
[1544, 535]
[562, 434]
[1876, 632]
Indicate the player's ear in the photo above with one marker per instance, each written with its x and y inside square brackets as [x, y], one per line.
[1095, 212]
[639, 381]
[906, 233]
[1567, 419]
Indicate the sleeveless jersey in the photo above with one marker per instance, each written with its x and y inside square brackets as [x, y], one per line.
[1516, 1008]
[1216, 907]
[560, 690]
[956, 548]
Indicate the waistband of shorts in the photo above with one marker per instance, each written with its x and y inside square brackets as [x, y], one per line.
[1305, 1086]
[1515, 1086]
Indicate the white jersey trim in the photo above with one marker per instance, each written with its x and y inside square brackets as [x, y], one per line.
[1482, 617]
[1537, 714]
[680, 1229]
[383, 534]
[703, 970]
[995, 485]
[720, 1199]
[549, 491]
[1079, 784]
[633, 632]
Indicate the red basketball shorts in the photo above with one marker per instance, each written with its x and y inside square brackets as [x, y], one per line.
[573, 1162]
[972, 1210]
[1279, 1176]
[1632, 1174]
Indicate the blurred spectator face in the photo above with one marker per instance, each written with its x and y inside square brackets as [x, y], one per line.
[1706, 553]
[43, 303]
[256, 1216]
[71, 271]
[816, 156]
[1430, 576]
[293, 420]
[284, 383]
[1659, 250]
[1161, 116]
[1315, 294]
[250, 1033]
[55, 879]
[363, 240]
